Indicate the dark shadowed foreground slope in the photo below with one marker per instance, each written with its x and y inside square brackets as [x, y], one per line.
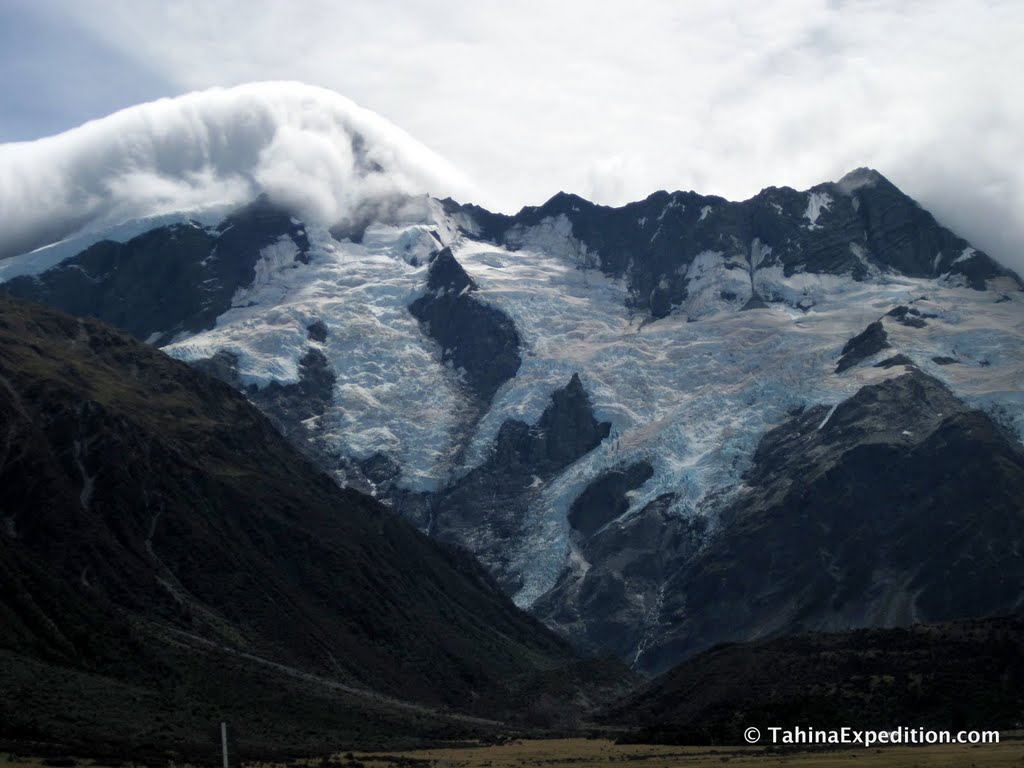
[962, 675]
[900, 505]
[168, 559]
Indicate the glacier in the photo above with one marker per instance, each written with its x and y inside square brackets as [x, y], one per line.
[691, 392]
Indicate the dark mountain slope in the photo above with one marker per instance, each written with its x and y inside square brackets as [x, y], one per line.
[899, 505]
[146, 503]
[961, 675]
[486, 510]
[170, 279]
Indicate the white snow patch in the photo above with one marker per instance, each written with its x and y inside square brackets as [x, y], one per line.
[800, 289]
[704, 212]
[758, 253]
[827, 417]
[671, 205]
[88, 480]
[553, 235]
[816, 203]
[860, 253]
[966, 255]
[274, 258]
[709, 276]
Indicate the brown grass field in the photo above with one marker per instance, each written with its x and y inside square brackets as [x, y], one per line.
[599, 753]
[602, 753]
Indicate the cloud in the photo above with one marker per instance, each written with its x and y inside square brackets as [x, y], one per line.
[305, 146]
[614, 101]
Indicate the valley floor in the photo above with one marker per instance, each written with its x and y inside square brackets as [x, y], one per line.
[602, 753]
[596, 753]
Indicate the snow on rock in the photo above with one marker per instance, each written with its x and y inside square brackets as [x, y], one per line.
[691, 398]
[41, 259]
[695, 398]
[800, 289]
[275, 258]
[391, 395]
[553, 235]
[857, 179]
[715, 283]
[816, 203]
[966, 255]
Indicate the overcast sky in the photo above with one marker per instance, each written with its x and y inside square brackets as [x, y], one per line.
[611, 100]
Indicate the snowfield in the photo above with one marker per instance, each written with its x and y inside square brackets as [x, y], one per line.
[691, 397]
[392, 396]
[691, 393]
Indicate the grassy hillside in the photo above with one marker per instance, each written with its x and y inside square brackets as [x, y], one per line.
[153, 519]
[960, 675]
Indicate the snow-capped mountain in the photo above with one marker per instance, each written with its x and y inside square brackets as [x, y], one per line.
[607, 404]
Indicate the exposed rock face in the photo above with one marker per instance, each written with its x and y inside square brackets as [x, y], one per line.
[317, 331]
[474, 336]
[484, 511]
[614, 604]
[168, 280]
[912, 317]
[902, 505]
[605, 499]
[287, 405]
[870, 341]
[858, 224]
[895, 360]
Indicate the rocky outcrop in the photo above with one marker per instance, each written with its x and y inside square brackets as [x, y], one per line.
[605, 498]
[484, 511]
[168, 280]
[858, 225]
[613, 603]
[911, 317]
[474, 337]
[868, 342]
[900, 505]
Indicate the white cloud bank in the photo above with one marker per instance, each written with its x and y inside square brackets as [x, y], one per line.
[305, 146]
[613, 100]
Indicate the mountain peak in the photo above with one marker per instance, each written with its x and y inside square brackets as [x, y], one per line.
[858, 178]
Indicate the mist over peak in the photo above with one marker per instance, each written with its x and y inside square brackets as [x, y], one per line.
[306, 147]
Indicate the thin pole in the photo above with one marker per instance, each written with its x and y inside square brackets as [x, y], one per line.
[224, 742]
